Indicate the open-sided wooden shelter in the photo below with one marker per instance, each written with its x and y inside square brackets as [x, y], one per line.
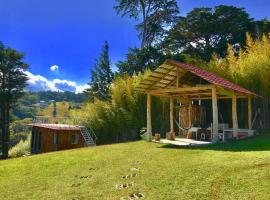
[185, 83]
[54, 137]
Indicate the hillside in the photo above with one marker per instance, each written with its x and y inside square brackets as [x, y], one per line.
[235, 170]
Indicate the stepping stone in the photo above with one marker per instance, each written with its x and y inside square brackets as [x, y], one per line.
[129, 176]
[137, 195]
[139, 162]
[133, 196]
[134, 169]
[124, 186]
[76, 184]
[85, 176]
[92, 169]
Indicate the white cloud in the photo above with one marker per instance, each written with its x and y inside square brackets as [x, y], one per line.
[54, 68]
[40, 83]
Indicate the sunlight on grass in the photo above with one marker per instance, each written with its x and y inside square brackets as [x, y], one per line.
[235, 170]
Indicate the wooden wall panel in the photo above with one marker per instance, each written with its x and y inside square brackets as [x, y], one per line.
[64, 139]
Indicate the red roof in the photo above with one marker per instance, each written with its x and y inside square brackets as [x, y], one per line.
[210, 77]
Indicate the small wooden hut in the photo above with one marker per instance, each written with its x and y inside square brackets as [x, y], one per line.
[54, 137]
[185, 83]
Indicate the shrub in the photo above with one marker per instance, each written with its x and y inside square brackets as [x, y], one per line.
[20, 149]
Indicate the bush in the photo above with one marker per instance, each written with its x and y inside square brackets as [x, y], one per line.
[20, 149]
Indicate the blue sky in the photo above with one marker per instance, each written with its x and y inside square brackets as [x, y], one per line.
[62, 38]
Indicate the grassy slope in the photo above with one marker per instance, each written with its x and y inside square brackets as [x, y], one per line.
[236, 170]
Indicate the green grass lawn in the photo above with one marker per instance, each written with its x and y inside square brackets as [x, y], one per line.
[235, 170]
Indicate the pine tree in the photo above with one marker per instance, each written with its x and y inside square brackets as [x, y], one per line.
[12, 83]
[101, 76]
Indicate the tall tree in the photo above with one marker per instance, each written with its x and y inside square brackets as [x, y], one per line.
[138, 60]
[259, 28]
[101, 76]
[54, 113]
[12, 83]
[156, 15]
[207, 30]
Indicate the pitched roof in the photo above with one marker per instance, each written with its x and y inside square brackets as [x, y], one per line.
[211, 77]
[57, 126]
[164, 75]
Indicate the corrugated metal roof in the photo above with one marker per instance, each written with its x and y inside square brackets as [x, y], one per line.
[56, 126]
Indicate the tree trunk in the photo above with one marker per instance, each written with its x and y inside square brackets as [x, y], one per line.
[5, 130]
[144, 25]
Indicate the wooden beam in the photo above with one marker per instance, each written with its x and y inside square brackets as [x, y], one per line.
[215, 115]
[156, 78]
[249, 113]
[171, 115]
[187, 89]
[219, 97]
[149, 124]
[161, 73]
[169, 84]
[184, 100]
[161, 78]
[234, 114]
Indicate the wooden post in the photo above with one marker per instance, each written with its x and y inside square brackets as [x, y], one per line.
[171, 114]
[177, 76]
[179, 120]
[215, 115]
[149, 124]
[249, 113]
[190, 114]
[234, 115]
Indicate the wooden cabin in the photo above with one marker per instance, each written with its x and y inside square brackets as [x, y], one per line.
[183, 83]
[55, 137]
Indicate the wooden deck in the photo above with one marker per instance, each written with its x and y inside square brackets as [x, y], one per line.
[183, 142]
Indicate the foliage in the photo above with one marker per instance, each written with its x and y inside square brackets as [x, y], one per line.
[156, 17]
[112, 120]
[233, 170]
[19, 130]
[24, 107]
[205, 30]
[250, 68]
[101, 76]
[54, 113]
[139, 60]
[12, 82]
[122, 118]
[58, 96]
[61, 108]
[28, 106]
[20, 149]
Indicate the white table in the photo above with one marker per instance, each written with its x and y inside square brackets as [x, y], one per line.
[194, 130]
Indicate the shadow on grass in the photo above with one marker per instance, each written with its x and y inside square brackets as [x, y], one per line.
[260, 142]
